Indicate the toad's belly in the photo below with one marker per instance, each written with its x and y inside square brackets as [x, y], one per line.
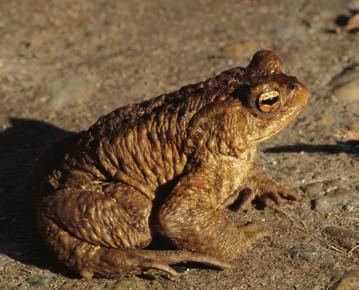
[235, 172]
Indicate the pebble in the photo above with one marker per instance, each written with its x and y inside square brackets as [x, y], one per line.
[353, 5]
[322, 121]
[346, 238]
[38, 280]
[335, 199]
[293, 33]
[348, 74]
[332, 184]
[313, 189]
[346, 85]
[349, 281]
[348, 92]
[308, 252]
[130, 284]
[325, 121]
[70, 91]
[352, 126]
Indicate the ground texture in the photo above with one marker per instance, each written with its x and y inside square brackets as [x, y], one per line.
[65, 63]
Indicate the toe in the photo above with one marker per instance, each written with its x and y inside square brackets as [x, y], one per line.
[149, 264]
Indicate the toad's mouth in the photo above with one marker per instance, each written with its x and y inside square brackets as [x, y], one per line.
[277, 129]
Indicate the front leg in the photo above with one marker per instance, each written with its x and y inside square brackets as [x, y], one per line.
[263, 188]
[192, 217]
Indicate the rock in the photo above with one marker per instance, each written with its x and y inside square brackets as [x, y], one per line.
[346, 238]
[353, 5]
[332, 184]
[38, 280]
[291, 33]
[352, 126]
[320, 122]
[347, 75]
[312, 189]
[325, 121]
[70, 91]
[348, 92]
[129, 284]
[335, 199]
[349, 281]
[242, 49]
[309, 253]
[346, 84]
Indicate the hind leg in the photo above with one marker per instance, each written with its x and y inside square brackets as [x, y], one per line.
[101, 218]
[101, 233]
[89, 260]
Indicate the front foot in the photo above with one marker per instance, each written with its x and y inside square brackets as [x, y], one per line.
[264, 190]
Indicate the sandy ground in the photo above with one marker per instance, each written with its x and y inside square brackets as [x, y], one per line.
[65, 63]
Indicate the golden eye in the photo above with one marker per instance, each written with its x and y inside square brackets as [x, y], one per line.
[268, 102]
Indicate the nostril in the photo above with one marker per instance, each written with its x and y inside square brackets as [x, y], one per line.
[293, 86]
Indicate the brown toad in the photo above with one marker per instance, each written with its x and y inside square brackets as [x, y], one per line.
[168, 165]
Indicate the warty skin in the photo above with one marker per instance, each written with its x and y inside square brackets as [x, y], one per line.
[166, 166]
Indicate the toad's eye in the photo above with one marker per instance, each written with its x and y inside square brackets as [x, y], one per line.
[268, 102]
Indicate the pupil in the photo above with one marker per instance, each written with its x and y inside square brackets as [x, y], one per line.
[270, 101]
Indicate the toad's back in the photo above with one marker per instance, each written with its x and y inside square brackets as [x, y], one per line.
[140, 144]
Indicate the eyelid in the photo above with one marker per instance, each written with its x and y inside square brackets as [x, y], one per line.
[269, 94]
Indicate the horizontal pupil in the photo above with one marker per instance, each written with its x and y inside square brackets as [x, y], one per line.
[269, 101]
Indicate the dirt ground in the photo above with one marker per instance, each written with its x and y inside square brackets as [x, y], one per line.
[65, 63]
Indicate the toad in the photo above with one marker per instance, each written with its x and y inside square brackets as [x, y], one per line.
[167, 166]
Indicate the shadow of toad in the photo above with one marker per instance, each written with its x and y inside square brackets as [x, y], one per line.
[349, 147]
[20, 145]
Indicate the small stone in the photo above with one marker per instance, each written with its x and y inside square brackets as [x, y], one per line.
[313, 189]
[347, 75]
[348, 92]
[70, 91]
[309, 253]
[38, 280]
[311, 125]
[353, 5]
[352, 126]
[344, 58]
[129, 284]
[291, 33]
[242, 49]
[349, 281]
[335, 199]
[332, 184]
[346, 85]
[346, 238]
[327, 16]
[325, 121]
[322, 121]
